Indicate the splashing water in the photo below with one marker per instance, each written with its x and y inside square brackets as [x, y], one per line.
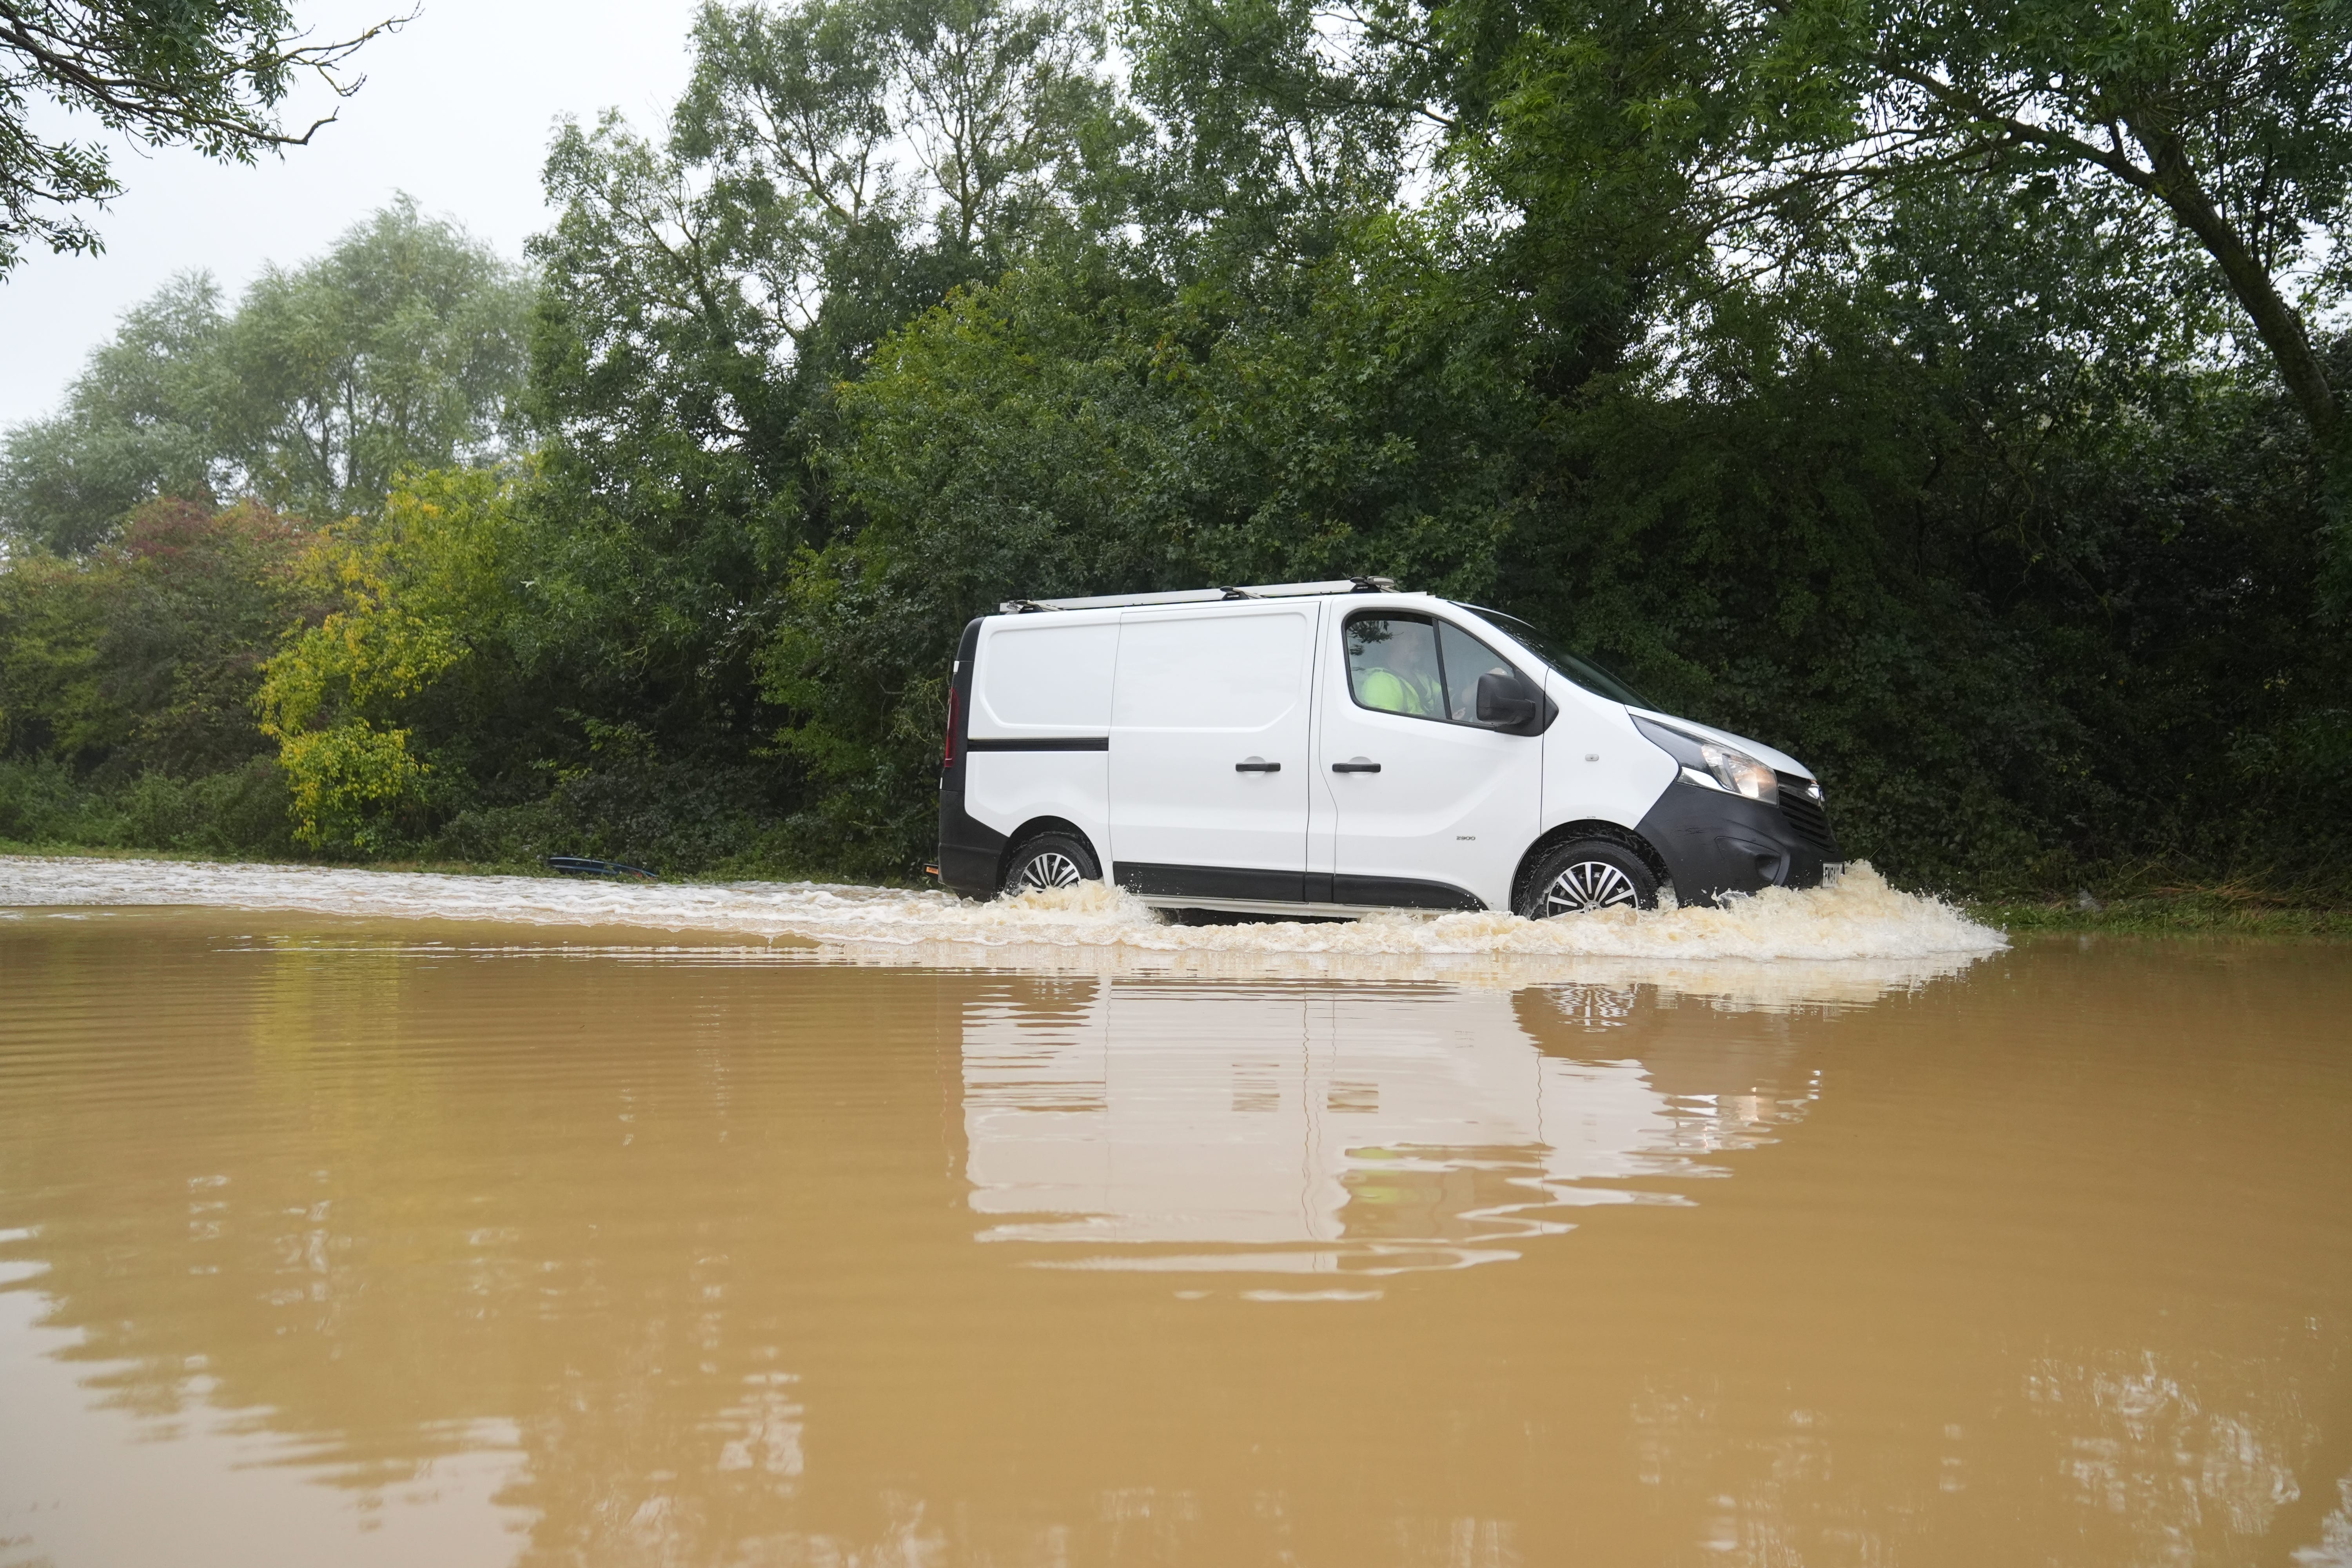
[1875, 936]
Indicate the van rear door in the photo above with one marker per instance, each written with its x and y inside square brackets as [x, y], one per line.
[1038, 733]
[1210, 750]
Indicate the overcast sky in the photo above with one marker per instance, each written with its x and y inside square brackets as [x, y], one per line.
[457, 110]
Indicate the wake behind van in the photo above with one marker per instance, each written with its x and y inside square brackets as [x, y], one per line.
[1337, 748]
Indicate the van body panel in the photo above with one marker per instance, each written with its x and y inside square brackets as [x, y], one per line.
[1033, 700]
[1208, 887]
[1045, 677]
[1322, 809]
[1598, 767]
[1367, 892]
[1451, 808]
[1004, 789]
[971, 853]
[1200, 693]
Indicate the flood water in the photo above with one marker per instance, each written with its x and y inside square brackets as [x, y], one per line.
[689, 1233]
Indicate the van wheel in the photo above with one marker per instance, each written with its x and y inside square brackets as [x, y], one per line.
[1588, 874]
[1051, 860]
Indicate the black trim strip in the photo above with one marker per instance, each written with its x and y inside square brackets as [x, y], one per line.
[1210, 882]
[971, 852]
[960, 707]
[1401, 893]
[1288, 887]
[1042, 744]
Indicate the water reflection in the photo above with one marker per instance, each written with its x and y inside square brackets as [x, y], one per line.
[1322, 1130]
[421, 1247]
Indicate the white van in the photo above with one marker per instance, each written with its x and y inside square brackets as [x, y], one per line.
[1337, 748]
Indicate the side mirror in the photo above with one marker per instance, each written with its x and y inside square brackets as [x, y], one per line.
[1505, 702]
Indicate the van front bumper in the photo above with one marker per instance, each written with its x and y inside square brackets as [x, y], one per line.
[1714, 843]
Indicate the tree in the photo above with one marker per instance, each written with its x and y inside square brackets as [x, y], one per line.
[997, 98]
[147, 654]
[207, 74]
[835, 168]
[1275, 125]
[139, 422]
[402, 348]
[2234, 117]
[1745, 144]
[417, 592]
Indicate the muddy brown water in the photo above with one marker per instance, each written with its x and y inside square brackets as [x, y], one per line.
[355, 1242]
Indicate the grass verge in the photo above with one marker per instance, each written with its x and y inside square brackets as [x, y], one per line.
[2185, 911]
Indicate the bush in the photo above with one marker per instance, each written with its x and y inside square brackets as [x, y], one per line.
[240, 812]
[41, 803]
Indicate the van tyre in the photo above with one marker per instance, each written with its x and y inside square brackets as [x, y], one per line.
[1051, 860]
[1587, 874]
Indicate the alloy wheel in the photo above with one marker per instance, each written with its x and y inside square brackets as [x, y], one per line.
[1051, 870]
[1589, 885]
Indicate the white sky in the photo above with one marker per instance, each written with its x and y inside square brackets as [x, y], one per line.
[457, 110]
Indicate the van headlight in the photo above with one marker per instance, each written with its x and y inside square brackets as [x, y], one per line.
[1710, 765]
[1739, 773]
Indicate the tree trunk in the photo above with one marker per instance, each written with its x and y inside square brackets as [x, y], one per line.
[2281, 328]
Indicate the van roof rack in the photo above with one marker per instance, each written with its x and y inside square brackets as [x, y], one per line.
[1203, 596]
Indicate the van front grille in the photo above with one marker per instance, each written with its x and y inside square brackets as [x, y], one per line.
[1804, 815]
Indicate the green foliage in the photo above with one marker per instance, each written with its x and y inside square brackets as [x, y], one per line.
[1271, 132]
[2230, 910]
[41, 802]
[239, 813]
[350, 783]
[207, 74]
[53, 695]
[1935, 457]
[1046, 436]
[415, 592]
[140, 422]
[147, 655]
[679, 817]
[1742, 145]
[2236, 120]
[834, 169]
[401, 347]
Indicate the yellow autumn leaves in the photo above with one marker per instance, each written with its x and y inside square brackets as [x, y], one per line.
[413, 586]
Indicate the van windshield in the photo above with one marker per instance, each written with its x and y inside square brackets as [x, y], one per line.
[1582, 671]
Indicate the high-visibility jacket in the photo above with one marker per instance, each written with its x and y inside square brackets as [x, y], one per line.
[1391, 693]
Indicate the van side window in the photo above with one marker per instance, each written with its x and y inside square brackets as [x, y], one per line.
[1392, 666]
[1465, 659]
[1413, 665]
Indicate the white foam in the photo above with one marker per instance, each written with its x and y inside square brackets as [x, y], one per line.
[1878, 936]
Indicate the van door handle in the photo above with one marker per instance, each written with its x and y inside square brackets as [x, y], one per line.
[1257, 767]
[1359, 766]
